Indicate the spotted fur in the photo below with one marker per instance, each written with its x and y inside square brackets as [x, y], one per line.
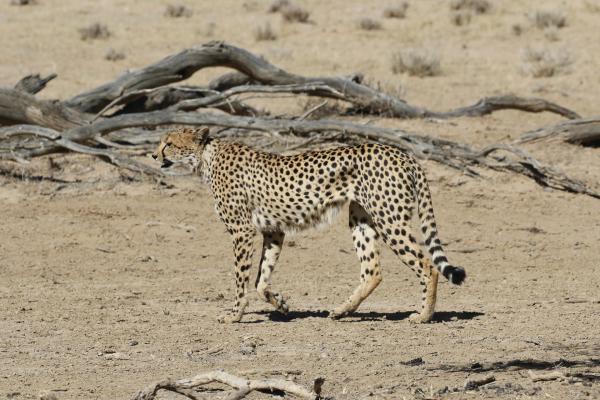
[272, 194]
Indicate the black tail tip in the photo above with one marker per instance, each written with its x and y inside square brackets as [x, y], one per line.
[456, 275]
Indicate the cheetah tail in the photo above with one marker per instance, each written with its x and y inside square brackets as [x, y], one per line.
[456, 275]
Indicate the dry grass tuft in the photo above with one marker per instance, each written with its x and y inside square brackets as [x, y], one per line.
[94, 31]
[551, 34]
[368, 24]
[289, 11]
[398, 11]
[23, 2]
[177, 11]
[208, 30]
[114, 55]
[517, 29]
[461, 17]
[592, 6]
[547, 19]
[263, 33]
[393, 90]
[294, 13]
[545, 63]
[278, 5]
[476, 6]
[416, 62]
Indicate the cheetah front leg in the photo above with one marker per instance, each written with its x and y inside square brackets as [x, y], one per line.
[272, 244]
[365, 243]
[243, 249]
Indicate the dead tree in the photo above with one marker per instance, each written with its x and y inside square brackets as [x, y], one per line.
[108, 120]
[218, 54]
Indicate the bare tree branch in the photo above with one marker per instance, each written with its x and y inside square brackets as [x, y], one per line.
[366, 99]
[579, 131]
[20, 107]
[447, 152]
[167, 96]
[488, 105]
[33, 83]
[311, 88]
[61, 142]
[241, 387]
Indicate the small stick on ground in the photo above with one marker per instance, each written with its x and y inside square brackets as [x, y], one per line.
[552, 376]
[472, 384]
[241, 387]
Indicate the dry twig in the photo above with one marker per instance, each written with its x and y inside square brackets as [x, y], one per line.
[241, 387]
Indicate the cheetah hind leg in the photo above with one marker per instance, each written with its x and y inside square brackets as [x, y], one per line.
[272, 244]
[364, 237]
[404, 244]
[429, 281]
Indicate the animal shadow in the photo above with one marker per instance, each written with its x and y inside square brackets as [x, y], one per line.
[442, 316]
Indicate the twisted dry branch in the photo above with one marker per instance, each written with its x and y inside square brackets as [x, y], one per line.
[76, 129]
[453, 154]
[241, 387]
[585, 131]
[365, 99]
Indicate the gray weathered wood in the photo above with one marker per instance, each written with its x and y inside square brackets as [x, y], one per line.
[54, 142]
[366, 99]
[32, 84]
[585, 131]
[18, 107]
[447, 152]
[240, 387]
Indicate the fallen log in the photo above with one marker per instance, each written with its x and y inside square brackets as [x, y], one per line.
[56, 142]
[19, 107]
[456, 155]
[585, 132]
[218, 54]
[80, 131]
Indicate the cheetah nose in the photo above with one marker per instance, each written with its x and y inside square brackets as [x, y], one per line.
[155, 156]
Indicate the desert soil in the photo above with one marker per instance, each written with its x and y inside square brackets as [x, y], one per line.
[107, 284]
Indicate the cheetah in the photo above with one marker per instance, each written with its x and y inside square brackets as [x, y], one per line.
[275, 195]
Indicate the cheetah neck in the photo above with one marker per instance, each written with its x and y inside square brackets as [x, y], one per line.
[205, 156]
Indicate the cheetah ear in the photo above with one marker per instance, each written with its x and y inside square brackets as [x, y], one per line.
[202, 135]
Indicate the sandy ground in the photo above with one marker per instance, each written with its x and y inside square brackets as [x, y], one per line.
[108, 285]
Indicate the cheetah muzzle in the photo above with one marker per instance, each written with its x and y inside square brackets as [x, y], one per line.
[276, 195]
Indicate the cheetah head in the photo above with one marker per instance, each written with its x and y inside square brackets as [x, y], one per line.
[182, 146]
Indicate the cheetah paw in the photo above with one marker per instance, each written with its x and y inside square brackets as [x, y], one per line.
[229, 318]
[283, 308]
[281, 305]
[339, 313]
[417, 318]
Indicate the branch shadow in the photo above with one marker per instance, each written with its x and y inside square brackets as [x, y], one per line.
[519, 364]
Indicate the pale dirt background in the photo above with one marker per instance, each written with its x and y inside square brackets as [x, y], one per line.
[90, 268]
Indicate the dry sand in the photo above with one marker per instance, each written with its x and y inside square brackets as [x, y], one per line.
[105, 266]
